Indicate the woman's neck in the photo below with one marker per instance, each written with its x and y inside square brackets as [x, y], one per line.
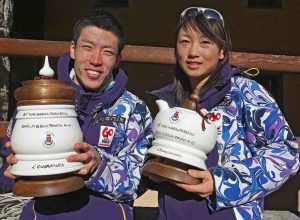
[198, 83]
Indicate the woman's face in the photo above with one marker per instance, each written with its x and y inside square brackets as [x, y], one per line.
[197, 55]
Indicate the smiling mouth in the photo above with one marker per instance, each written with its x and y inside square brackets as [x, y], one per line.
[193, 65]
[92, 74]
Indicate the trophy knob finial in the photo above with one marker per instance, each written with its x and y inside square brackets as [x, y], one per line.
[46, 70]
[191, 102]
[195, 97]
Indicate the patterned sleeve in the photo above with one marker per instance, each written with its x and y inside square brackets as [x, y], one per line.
[119, 174]
[5, 182]
[273, 152]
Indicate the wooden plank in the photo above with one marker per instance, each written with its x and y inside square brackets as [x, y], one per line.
[298, 139]
[3, 128]
[147, 54]
[280, 63]
[23, 47]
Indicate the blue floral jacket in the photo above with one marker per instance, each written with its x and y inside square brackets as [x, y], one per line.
[255, 154]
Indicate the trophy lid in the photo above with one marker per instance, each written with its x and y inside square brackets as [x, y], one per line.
[46, 70]
[45, 90]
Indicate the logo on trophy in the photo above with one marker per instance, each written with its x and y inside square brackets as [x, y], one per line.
[183, 136]
[45, 130]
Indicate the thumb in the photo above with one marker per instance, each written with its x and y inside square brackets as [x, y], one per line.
[197, 173]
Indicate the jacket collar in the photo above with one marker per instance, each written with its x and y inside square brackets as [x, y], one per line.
[111, 93]
[210, 98]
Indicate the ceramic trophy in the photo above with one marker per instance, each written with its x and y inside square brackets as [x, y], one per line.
[45, 130]
[182, 139]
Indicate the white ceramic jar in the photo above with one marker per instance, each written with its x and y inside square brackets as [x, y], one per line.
[42, 138]
[179, 135]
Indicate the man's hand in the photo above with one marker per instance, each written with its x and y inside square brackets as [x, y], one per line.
[11, 160]
[88, 155]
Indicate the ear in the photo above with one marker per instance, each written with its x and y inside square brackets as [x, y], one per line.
[118, 60]
[72, 50]
[221, 55]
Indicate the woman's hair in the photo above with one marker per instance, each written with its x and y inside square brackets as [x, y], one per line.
[217, 33]
[101, 19]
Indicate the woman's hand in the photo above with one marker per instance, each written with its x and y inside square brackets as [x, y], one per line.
[203, 189]
[88, 155]
[11, 160]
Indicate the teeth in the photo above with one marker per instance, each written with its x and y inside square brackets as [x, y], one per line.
[92, 72]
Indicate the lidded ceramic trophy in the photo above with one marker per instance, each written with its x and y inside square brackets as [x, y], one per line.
[182, 138]
[45, 130]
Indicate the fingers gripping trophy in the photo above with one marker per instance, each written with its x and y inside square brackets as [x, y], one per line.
[45, 130]
[182, 138]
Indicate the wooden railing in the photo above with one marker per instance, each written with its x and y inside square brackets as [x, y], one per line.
[146, 54]
[3, 127]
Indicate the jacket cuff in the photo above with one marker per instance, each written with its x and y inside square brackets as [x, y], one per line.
[91, 179]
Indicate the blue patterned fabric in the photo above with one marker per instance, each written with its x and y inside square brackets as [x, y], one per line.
[258, 151]
[255, 154]
[119, 172]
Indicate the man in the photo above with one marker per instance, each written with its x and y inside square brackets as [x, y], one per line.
[116, 127]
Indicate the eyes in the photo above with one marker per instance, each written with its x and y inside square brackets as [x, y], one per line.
[106, 50]
[206, 42]
[202, 42]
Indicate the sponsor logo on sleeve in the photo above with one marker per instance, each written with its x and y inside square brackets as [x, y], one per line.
[107, 134]
[217, 119]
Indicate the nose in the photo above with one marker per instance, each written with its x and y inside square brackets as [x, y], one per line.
[96, 58]
[194, 50]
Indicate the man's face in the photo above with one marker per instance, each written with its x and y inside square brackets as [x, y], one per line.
[96, 56]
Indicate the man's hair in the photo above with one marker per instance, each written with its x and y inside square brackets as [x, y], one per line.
[102, 19]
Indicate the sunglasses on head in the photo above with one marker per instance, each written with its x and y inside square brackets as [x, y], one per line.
[208, 13]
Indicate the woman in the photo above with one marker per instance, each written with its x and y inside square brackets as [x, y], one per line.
[255, 153]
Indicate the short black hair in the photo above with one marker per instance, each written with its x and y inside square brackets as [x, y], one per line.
[102, 19]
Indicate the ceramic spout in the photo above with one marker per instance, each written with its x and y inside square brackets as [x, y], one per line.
[162, 105]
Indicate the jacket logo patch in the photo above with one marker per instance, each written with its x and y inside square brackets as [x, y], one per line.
[107, 134]
[217, 119]
[225, 102]
[116, 118]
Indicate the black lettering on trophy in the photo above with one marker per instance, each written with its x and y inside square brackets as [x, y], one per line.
[49, 166]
